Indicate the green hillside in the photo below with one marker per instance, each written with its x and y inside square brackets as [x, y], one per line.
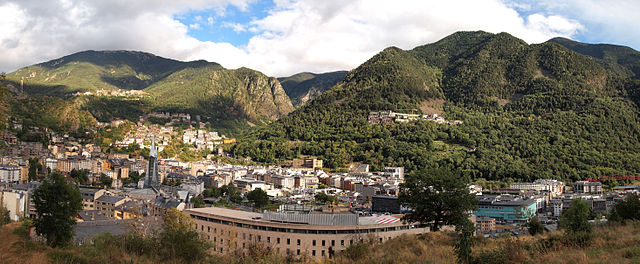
[99, 70]
[242, 93]
[226, 98]
[621, 60]
[529, 111]
[305, 86]
[5, 97]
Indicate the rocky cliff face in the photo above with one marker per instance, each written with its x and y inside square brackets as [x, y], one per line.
[242, 94]
[263, 95]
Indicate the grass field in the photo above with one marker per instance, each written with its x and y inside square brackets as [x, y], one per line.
[612, 243]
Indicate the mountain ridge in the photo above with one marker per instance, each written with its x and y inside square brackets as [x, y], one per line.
[305, 86]
[528, 111]
[243, 94]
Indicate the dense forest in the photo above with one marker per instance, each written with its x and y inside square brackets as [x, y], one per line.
[529, 111]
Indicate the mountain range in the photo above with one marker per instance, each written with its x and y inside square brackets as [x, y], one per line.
[305, 86]
[196, 87]
[558, 109]
[528, 111]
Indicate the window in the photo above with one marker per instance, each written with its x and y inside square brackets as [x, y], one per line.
[214, 239]
[244, 236]
[314, 243]
[323, 245]
[259, 238]
[333, 243]
[288, 241]
[313, 252]
[242, 245]
[323, 253]
[298, 243]
[351, 242]
[298, 252]
[380, 239]
[278, 240]
[268, 239]
[208, 229]
[342, 242]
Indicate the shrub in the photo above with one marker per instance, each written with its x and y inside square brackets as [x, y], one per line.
[633, 252]
[576, 218]
[23, 230]
[535, 226]
[357, 251]
[182, 244]
[628, 209]
[136, 244]
[66, 257]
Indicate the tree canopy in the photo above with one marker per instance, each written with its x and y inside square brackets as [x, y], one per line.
[57, 203]
[576, 218]
[322, 197]
[258, 197]
[437, 197]
[627, 209]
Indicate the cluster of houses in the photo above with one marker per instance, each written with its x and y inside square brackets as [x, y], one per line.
[173, 117]
[388, 117]
[199, 138]
[115, 92]
[205, 140]
[143, 135]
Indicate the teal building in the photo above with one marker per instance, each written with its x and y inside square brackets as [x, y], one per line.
[509, 208]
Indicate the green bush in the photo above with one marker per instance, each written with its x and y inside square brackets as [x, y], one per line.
[357, 251]
[535, 226]
[138, 245]
[23, 230]
[633, 252]
[67, 257]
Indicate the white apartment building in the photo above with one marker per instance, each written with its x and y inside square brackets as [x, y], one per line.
[9, 173]
[555, 187]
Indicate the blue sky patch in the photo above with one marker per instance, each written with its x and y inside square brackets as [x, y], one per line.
[230, 25]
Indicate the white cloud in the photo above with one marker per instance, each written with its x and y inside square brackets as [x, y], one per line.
[327, 35]
[295, 36]
[235, 26]
[604, 21]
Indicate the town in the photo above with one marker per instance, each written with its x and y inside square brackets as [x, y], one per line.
[326, 210]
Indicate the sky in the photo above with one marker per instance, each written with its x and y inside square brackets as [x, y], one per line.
[284, 37]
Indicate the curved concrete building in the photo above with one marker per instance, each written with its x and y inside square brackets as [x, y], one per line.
[313, 235]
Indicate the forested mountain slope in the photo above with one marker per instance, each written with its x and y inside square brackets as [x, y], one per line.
[621, 60]
[529, 111]
[305, 86]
